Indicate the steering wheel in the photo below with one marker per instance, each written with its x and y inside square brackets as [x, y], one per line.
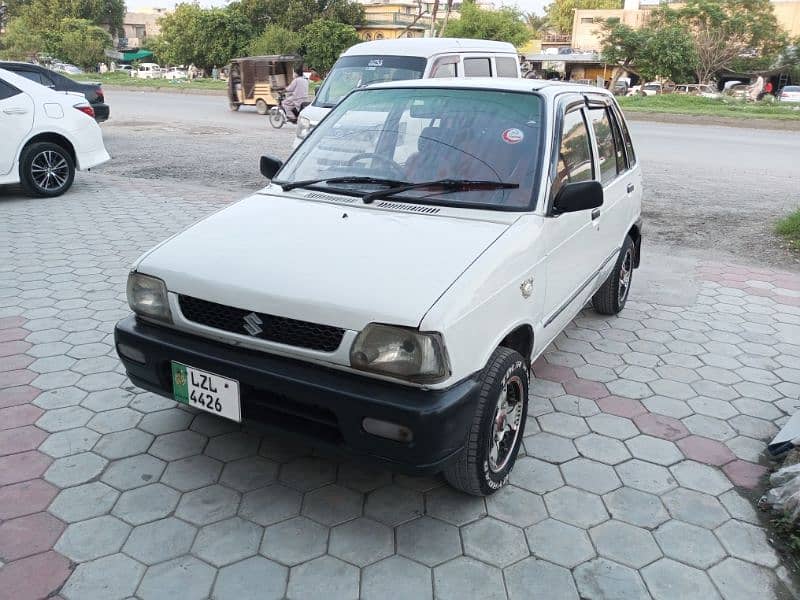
[397, 170]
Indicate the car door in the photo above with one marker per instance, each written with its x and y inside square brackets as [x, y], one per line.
[571, 239]
[16, 120]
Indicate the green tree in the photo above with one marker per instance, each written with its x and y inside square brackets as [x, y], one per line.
[159, 48]
[296, 14]
[275, 40]
[47, 13]
[560, 13]
[504, 24]
[81, 42]
[22, 41]
[324, 41]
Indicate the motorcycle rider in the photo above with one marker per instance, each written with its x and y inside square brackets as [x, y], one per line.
[296, 95]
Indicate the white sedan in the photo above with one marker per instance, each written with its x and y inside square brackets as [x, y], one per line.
[47, 135]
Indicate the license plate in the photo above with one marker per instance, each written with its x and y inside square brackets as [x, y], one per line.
[206, 391]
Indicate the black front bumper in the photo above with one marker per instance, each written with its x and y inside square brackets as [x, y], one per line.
[325, 407]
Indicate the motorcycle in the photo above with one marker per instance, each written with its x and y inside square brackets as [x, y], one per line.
[278, 116]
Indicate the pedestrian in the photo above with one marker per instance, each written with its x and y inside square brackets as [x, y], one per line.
[215, 72]
[296, 94]
[768, 87]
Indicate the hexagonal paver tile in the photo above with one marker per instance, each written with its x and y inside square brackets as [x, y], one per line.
[233, 446]
[590, 475]
[454, 507]
[160, 540]
[739, 580]
[700, 477]
[516, 506]
[107, 400]
[661, 426]
[695, 507]
[577, 406]
[84, 502]
[394, 505]
[332, 504]
[271, 504]
[635, 507]
[362, 478]
[227, 542]
[165, 421]
[745, 474]
[549, 447]
[133, 472]
[655, 450]
[109, 578]
[748, 542]
[308, 473]
[709, 427]
[535, 475]
[192, 473]
[646, 477]
[114, 420]
[31, 534]
[705, 450]
[667, 579]
[177, 445]
[75, 469]
[494, 542]
[563, 424]
[69, 442]
[753, 427]
[713, 407]
[294, 541]
[559, 543]
[625, 543]
[208, 504]
[602, 448]
[122, 444]
[467, 578]
[250, 473]
[406, 579]
[61, 419]
[602, 578]
[185, 577]
[361, 542]
[253, 579]
[145, 504]
[689, 544]
[612, 426]
[576, 507]
[324, 578]
[92, 539]
[429, 541]
[532, 578]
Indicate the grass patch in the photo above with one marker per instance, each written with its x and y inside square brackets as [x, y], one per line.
[789, 228]
[128, 81]
[694, 105]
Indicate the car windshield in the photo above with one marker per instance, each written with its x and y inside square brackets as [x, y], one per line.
[351, 72]
[413, 135]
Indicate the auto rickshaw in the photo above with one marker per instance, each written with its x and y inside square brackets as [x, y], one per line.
[257, 80]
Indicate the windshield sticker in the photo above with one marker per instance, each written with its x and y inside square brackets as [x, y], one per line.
[375, 62]
[513, 136]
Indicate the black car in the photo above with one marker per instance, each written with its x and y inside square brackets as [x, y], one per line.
[92, 91]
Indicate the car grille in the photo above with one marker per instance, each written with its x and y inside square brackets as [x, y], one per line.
[275, 329]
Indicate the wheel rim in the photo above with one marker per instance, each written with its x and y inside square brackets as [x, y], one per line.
[625, 273]
[49, 170]
[506, 424]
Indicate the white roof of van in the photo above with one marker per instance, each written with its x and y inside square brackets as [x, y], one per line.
[427, 47]
[510, 84]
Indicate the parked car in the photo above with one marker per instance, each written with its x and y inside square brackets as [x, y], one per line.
[740, 91]
[406, 58]
[695, 89]
[125, 69]
[620, 89]
[67, 68]
[147, 71]
[175, 73]
[93, 92]
[386, 294]
[47, 135]
[789, 93]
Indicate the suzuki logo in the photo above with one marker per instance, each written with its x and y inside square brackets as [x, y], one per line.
[252, 324]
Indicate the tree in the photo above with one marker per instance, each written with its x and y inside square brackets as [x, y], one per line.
[275, 40]
[21, 41]
[561, 13]
[82, 43]
[536, 24]
[47, 13]
[324, 41]
[296, 14]
[504, 24]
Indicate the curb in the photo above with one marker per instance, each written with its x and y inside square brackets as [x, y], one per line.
[164, 90]
[741, 123]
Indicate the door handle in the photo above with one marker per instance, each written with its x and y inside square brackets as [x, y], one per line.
[595, 214]
[631, 187]
[15, 111]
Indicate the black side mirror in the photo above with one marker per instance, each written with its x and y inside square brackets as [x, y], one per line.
[269, 166]
[577, 196]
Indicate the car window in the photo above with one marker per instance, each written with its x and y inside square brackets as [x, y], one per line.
[32, 75]
[619, 145]
[574, 153]
[506, 66]
[626, 138]
[447, 66]
[604, 137]
[7, 90]
[477, 67]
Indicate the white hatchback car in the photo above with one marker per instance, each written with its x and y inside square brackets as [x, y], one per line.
[388, 291]
[47, 135]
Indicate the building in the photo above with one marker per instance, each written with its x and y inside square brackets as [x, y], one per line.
[387, 19]
[138, 26]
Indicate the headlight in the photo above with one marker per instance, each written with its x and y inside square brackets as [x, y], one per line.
[304, 127]
[400, 352]
[147, 297]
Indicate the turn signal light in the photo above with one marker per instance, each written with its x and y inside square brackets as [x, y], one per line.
[386, 429]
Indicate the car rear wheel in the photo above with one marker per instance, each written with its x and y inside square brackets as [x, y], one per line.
[497, 427]
[261, 107]
[46, 169]
[610, 299]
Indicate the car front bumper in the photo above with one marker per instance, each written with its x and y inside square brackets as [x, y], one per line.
[322, 406]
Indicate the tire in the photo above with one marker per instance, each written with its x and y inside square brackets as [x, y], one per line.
[233, 106]
[277, 118]
[46, 170]
[482, 469]
[261, 107]
[610, 299]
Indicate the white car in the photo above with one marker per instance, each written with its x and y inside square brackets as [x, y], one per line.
[790, 93]
[174, 73]
[47, 135]
[147, 71]
[387, 293]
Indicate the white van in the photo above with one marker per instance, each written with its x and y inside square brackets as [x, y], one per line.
[147, 71]
[407, 58]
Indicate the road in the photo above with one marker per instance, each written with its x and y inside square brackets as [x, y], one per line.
[709, 189]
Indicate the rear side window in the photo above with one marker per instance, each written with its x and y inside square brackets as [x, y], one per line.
[626, 138]
[32, 75]
[7, 90]
[606, 149]
[574, 152]
[447, 66]
[477, 67]
[506, 66]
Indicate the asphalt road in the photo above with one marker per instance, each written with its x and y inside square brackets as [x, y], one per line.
[711, 189]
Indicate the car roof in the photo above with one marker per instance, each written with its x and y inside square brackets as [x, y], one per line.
[509, 84]
[18, 63]
[427, 47]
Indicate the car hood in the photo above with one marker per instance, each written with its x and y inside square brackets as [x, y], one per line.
[321, 262]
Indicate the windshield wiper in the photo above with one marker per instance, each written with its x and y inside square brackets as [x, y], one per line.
[449, 185]
[290, 185]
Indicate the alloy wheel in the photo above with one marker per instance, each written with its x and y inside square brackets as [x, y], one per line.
[506, 424]
[49, 170]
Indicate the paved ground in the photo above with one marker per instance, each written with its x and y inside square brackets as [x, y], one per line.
[711, 188]
[645, 440]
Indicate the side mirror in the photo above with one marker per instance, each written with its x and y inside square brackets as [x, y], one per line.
[269, 166]
[577, 196]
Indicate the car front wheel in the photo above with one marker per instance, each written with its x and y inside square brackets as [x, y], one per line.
[46, 169]
[610, 299]
[497, 427]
